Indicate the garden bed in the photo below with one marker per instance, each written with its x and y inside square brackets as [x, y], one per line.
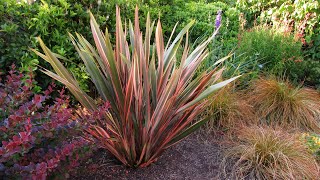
[154, 84]
[196, 157]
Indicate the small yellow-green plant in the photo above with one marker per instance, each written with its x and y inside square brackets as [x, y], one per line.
[313, 142]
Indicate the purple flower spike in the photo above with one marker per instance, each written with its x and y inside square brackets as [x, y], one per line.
[218, 19]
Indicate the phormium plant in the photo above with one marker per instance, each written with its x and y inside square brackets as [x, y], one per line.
[34, 135]
[153, 101]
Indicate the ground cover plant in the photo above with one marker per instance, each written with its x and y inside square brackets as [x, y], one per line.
[280, 103]
[313, 142]
[37, 139]
[153, 101]
[265, 153]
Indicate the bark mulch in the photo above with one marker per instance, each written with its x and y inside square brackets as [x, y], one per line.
[198, 157]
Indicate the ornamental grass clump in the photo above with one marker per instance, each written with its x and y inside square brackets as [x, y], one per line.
[153, 101]
[265, 153]
[228, 110]
[280, 103]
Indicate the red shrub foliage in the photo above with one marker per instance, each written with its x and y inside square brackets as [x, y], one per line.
[37, 139]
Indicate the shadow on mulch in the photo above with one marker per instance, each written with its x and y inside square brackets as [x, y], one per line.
[196, 157]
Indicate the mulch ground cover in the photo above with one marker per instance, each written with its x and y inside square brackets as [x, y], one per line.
[198, 157]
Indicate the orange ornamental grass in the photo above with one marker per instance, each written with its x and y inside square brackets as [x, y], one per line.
[153, 101]
[279, 103]
[265, 153]
[228, 110]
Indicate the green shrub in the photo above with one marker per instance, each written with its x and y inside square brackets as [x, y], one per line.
[14, 38]
[205, 14]
[306, 71]
[20, 24]
[302, 18]
[51, 20]
[268, 50]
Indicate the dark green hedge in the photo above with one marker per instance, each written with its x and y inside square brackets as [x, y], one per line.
[53, 19]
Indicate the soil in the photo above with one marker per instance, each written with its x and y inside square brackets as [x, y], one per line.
[197, 157]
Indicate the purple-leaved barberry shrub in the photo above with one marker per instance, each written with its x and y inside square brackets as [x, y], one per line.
[40, 135]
